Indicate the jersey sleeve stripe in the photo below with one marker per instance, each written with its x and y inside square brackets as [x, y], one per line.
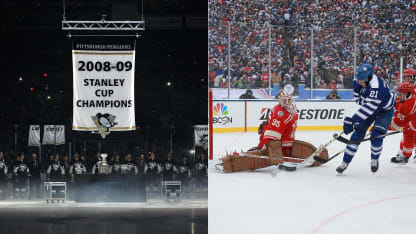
[389, 103]
[371, 105]
[394, 126]
[411, 126]
[272, 134]
[364, 113]
[376, 101]
[413, 109]
[288, 119]
[369, 111]
[361, 116]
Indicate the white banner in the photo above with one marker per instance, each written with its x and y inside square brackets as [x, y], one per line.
[103, 83]
[201, 136]
[34, 135]
[53, 135]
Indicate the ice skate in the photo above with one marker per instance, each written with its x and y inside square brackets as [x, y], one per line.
[342, 167]
[374, 165]
[399, 159]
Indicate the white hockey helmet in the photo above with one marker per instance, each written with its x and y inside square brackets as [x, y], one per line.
[285, 99]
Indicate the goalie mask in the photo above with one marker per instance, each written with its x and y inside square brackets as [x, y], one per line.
[405, 91]
[285, 101]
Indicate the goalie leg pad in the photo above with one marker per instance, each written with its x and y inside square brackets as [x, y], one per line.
[243, 163]
[275, 152]
[302, 149]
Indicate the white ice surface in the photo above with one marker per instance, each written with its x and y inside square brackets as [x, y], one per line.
[313, 200]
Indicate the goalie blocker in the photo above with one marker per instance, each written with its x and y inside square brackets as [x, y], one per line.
[300, 149]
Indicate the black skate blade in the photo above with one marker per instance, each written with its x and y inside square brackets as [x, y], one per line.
[287, 168]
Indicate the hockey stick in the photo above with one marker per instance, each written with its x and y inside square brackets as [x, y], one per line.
[309, 160]
[321, 160]
[348, 142]
[286, 159]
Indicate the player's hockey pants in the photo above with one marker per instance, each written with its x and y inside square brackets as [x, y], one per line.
[381, 121]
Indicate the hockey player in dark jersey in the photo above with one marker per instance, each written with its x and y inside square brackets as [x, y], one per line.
[3, 176]
[184, 172]
[152, 166]
[77, 166]
[21, 173]
[376, 106]
[152, 169]
[141, 164]
[115, 167]
[201, 173]
[55, 171]
[169, 169]
[128, 167]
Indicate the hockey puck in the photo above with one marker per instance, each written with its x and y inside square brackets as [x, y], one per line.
[287, 168]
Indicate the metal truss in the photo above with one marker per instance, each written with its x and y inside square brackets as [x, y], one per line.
[83, 25]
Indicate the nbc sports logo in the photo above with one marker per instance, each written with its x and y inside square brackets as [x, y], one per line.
[220, 109]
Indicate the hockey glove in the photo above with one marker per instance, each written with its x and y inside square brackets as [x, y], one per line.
[348, 125]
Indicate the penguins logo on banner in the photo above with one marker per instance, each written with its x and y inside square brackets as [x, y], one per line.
[103, 82]
[104, 122]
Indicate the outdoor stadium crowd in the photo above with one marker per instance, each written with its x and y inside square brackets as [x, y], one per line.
[28, 172]
[385, 31]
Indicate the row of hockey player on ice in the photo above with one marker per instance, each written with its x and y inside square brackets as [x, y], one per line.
[377, 101]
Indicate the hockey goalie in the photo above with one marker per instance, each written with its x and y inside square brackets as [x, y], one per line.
[277, 141]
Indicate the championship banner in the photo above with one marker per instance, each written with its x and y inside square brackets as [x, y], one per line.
[34, 135]
[53, 135]
[103, 83]
[201, 136]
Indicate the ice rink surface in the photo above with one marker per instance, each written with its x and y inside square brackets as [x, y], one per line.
[313, 200]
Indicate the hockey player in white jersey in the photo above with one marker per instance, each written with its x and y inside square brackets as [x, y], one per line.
[377, 102]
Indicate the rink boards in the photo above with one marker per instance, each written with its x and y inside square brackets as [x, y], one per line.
[246, 115]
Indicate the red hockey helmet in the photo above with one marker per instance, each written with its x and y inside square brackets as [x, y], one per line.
[405, 91]
[405, 87]
[409, 75]
[409, 72]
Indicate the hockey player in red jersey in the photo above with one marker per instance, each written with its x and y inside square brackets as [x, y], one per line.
[279, 132]
[277, 141]
[405, 117]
